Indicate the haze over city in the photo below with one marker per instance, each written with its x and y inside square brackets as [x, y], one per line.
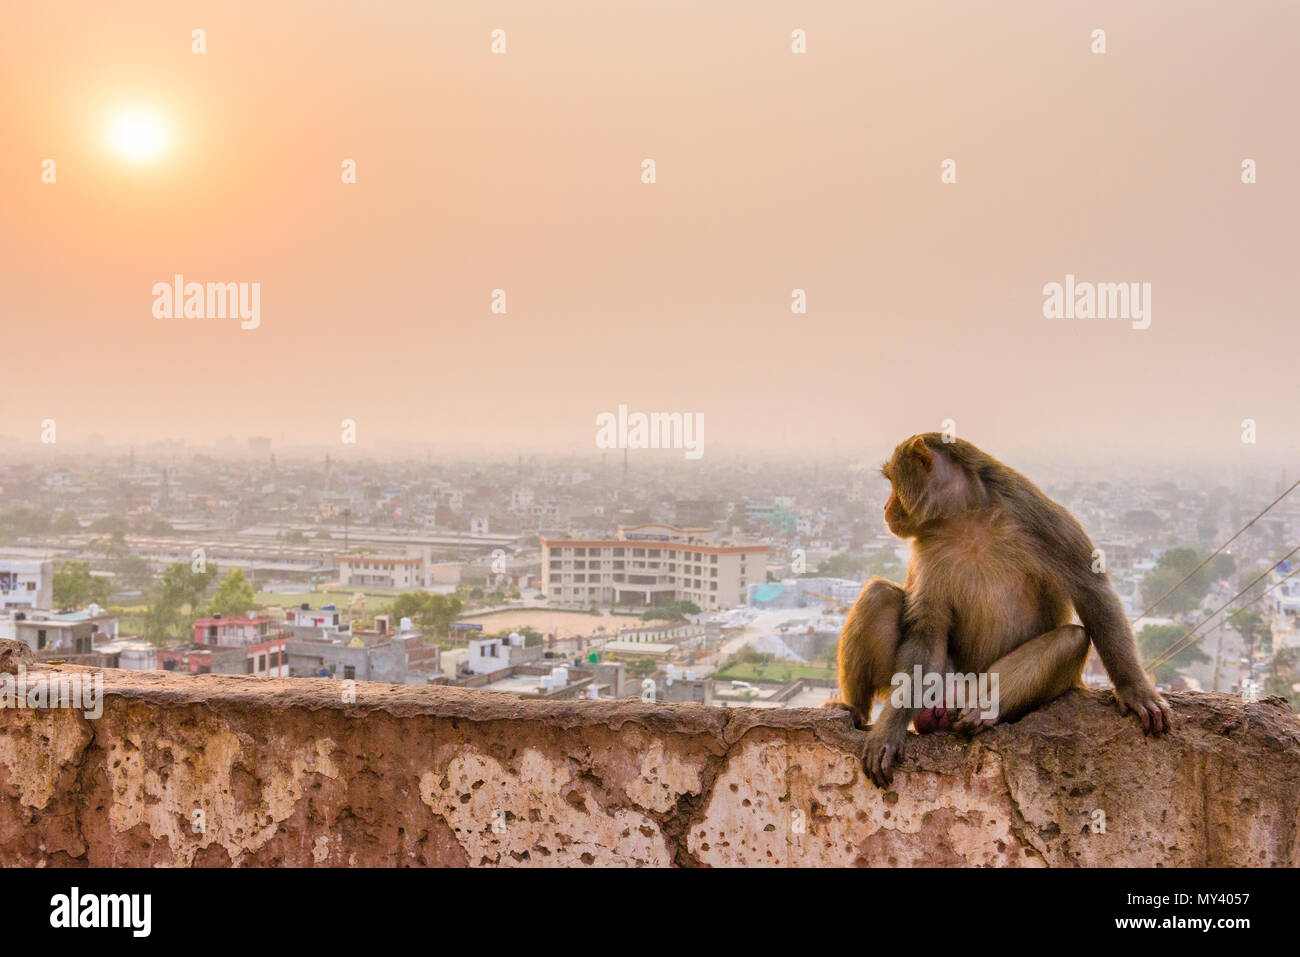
[774, 173]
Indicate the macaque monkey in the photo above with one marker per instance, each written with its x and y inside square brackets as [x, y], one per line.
[998, 576]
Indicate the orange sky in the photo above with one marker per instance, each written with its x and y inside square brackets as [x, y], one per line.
[775, 171]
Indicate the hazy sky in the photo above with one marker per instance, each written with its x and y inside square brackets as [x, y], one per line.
[775, 171]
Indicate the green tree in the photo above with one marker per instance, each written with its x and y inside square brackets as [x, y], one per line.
[408, 605]
[130, 571]
[176, 599]
[1221, 567]
[234, 595]
[1283, 676]
[438, 613]
[641, 667]
[1253, 629]
[162, 622]
[65, 522]
[1156, 639]
[841, 565]
[433, 612]
[153, 526]
[75, 587]
[19, 522]
[110, 525]
[886, 565]
[1251, 592]
[184, 587]
[1171, 567]
[673, 611]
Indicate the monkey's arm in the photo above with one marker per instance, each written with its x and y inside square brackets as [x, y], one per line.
[1104, 622]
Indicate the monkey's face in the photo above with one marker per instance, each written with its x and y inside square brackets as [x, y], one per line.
[929, 485]
[908, 471]
[896, 516]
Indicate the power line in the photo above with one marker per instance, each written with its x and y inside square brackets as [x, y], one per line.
[1227, 618]
[1260, 597]
[1212, 556]
[1182, 642]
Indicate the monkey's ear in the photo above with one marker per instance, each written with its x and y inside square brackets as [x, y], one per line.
[924, 457]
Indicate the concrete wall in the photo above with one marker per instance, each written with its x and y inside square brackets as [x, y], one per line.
[285, 772]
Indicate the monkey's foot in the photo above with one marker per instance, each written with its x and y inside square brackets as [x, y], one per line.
[929, 720]
[883, 753]
[858, 718]
[970, 722]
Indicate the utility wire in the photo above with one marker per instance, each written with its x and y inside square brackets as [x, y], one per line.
[1218, 550]
[1182, 642]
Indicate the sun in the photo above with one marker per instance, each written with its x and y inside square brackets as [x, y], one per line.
[137, 135]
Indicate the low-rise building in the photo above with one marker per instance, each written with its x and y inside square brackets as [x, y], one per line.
[487, 655]
[53, 635]
[129, 654]
[650, 566]
[26, 583]
[307, 622]
[381, 655]
[263, 643]
[399, 572]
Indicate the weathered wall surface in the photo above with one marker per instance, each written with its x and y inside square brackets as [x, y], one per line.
[286, 773]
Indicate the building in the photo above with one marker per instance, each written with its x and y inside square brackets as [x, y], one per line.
[487, 655]
[651, 566]
[638, 649]
[777, 517]
[62, 635]
[667, 632]
[379, 655]
[674, 686]
[308, 622]
[554, 679]
[262, 643]
[26, 583]
[836, 593]
[129, 655]
[403, 573]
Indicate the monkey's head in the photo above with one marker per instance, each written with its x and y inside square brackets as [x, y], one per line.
[931, 480]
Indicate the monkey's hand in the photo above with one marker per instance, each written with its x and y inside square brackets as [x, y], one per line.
[1148, 704]
[885, 746]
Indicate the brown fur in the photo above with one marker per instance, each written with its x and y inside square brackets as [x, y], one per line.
[998, 578]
